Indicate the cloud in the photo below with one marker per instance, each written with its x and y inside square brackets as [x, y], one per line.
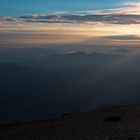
[8, 19]
[128, 13]
[67, 18]
[132, 4]
[123, 37]
[110, 26]
[1, 24]
[127, 8]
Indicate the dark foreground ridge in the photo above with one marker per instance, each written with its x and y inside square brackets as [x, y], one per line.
[117, 123]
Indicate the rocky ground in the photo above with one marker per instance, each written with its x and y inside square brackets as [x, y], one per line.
[117, 123]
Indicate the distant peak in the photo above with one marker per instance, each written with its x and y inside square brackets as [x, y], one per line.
[76, 53]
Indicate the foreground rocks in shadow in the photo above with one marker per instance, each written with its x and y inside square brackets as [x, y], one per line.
[117, 123]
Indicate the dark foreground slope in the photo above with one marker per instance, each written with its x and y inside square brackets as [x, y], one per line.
[118, 123]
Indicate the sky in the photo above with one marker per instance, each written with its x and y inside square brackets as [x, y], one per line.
[16, 7]
[92, 22]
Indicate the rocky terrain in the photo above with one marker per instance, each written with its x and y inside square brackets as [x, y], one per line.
[116, 123]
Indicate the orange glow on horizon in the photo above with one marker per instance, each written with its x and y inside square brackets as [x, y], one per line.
[69, 33]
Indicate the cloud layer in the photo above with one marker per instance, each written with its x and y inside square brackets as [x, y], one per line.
[109, 26]
[127, 13]
[67, 18]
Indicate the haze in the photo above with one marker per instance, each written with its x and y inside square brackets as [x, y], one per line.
[67, 56]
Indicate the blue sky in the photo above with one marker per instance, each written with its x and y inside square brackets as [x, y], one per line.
[23, 7]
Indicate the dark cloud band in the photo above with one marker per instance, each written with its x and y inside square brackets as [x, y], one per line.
[66, 18]
[69, 18]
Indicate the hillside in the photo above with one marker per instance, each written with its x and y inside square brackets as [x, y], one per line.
[116, 123]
